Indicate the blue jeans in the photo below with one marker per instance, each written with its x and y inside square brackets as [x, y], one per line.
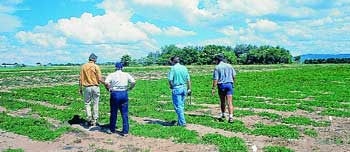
[119, 101]
[179, 95]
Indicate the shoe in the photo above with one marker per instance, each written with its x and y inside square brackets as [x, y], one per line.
[109, 131]
[184, 125]
[230, 120]
[181, 125]
[221, 118]
[87, 125]
[94, 123]
[124, 134]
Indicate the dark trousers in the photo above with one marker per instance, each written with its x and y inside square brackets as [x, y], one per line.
[119, 101]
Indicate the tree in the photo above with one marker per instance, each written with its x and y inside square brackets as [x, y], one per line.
[243, 48]
[167, 52]
[230, 56]
[126, 60]
[189, 55]
[297, 59]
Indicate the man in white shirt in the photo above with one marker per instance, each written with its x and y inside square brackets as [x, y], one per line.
[118, 85]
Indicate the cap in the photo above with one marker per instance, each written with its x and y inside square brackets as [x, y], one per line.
[119, 65]
[92, 56]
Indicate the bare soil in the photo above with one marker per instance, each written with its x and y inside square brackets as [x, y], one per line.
[96, 140]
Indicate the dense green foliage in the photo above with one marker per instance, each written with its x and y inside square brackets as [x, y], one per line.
[242, 54]
[329, 60]
[126, 60]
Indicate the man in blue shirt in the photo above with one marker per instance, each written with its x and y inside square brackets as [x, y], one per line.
[224, 77]
[178, 77]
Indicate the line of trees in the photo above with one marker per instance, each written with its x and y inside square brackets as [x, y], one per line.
[329, 60]
[202, 55]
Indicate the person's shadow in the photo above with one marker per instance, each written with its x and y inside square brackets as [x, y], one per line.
[76, 120]
[84, 123]
[163, 123]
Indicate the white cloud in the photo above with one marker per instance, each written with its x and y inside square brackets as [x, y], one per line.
[107, 28]
[342, 2]
[117, 7]
[192, 13]
[335, 13]
[250, 7]
[169, 31]
[42, 39]
[3, 38]
[186, 8]
[297, 12]
[6, 9]
[111, 35]
[9, 22]
[175, 31]
[264, 25]
[320, 22]
[298, 32]
[148, 27]
[155, 2]
[230, 31]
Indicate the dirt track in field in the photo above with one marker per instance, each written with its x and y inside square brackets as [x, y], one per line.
[90, 141]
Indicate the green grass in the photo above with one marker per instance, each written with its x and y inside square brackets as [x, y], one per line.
[43, 111]
[226, 144]
[324, 86]
[335, 112]
[37, 129]
[311, 132]
[277, 149]
[276, 131]
[271, 116]
[177, 133]
[299, 120]
[13, 150]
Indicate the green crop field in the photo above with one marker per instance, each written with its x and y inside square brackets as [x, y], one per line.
[278, 108]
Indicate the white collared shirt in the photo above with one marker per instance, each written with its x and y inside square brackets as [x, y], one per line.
[119, 80]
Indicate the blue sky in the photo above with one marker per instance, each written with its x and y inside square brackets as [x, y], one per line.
[61, 31]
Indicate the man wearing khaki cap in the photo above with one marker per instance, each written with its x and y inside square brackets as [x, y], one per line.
[90, 78]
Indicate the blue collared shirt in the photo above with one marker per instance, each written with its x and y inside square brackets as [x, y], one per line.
[224, 73]
[178, 75]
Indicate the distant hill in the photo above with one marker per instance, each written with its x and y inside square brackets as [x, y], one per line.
[323, 56]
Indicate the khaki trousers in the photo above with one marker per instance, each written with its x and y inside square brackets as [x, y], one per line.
[91, 93]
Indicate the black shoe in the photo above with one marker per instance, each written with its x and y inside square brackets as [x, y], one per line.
[109, 131]
[184, 125]
[230, 120]
[87, 125]
[221, 119]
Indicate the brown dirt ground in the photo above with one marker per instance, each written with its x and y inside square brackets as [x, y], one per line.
[94, 140]
[304, 144]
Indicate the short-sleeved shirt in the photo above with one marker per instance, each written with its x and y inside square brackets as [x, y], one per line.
[119, 80]
[224, 73]
[178, 75]
[90, 74]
